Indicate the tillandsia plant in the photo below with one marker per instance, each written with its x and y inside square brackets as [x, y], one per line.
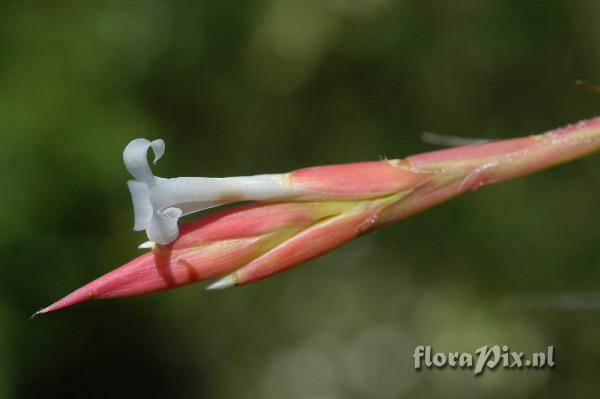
[302, 214]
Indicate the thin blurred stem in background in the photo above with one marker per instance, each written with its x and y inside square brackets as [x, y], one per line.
[588, 86]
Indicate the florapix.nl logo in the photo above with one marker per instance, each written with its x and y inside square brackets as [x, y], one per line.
[485, 357]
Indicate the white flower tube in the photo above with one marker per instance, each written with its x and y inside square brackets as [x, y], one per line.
[158, 203]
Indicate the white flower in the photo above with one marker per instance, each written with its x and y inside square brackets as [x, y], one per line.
[158, 203]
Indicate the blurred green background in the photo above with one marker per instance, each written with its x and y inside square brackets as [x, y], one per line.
[253, 87]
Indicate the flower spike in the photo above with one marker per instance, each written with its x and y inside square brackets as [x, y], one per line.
[304, 213]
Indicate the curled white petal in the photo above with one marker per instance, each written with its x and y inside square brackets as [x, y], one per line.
[142, 207]
[136, 161]
[163, 227]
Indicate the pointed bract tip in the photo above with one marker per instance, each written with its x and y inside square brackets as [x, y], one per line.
[147, 245]
[33, 316]
[225, 282]
[45, 310]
